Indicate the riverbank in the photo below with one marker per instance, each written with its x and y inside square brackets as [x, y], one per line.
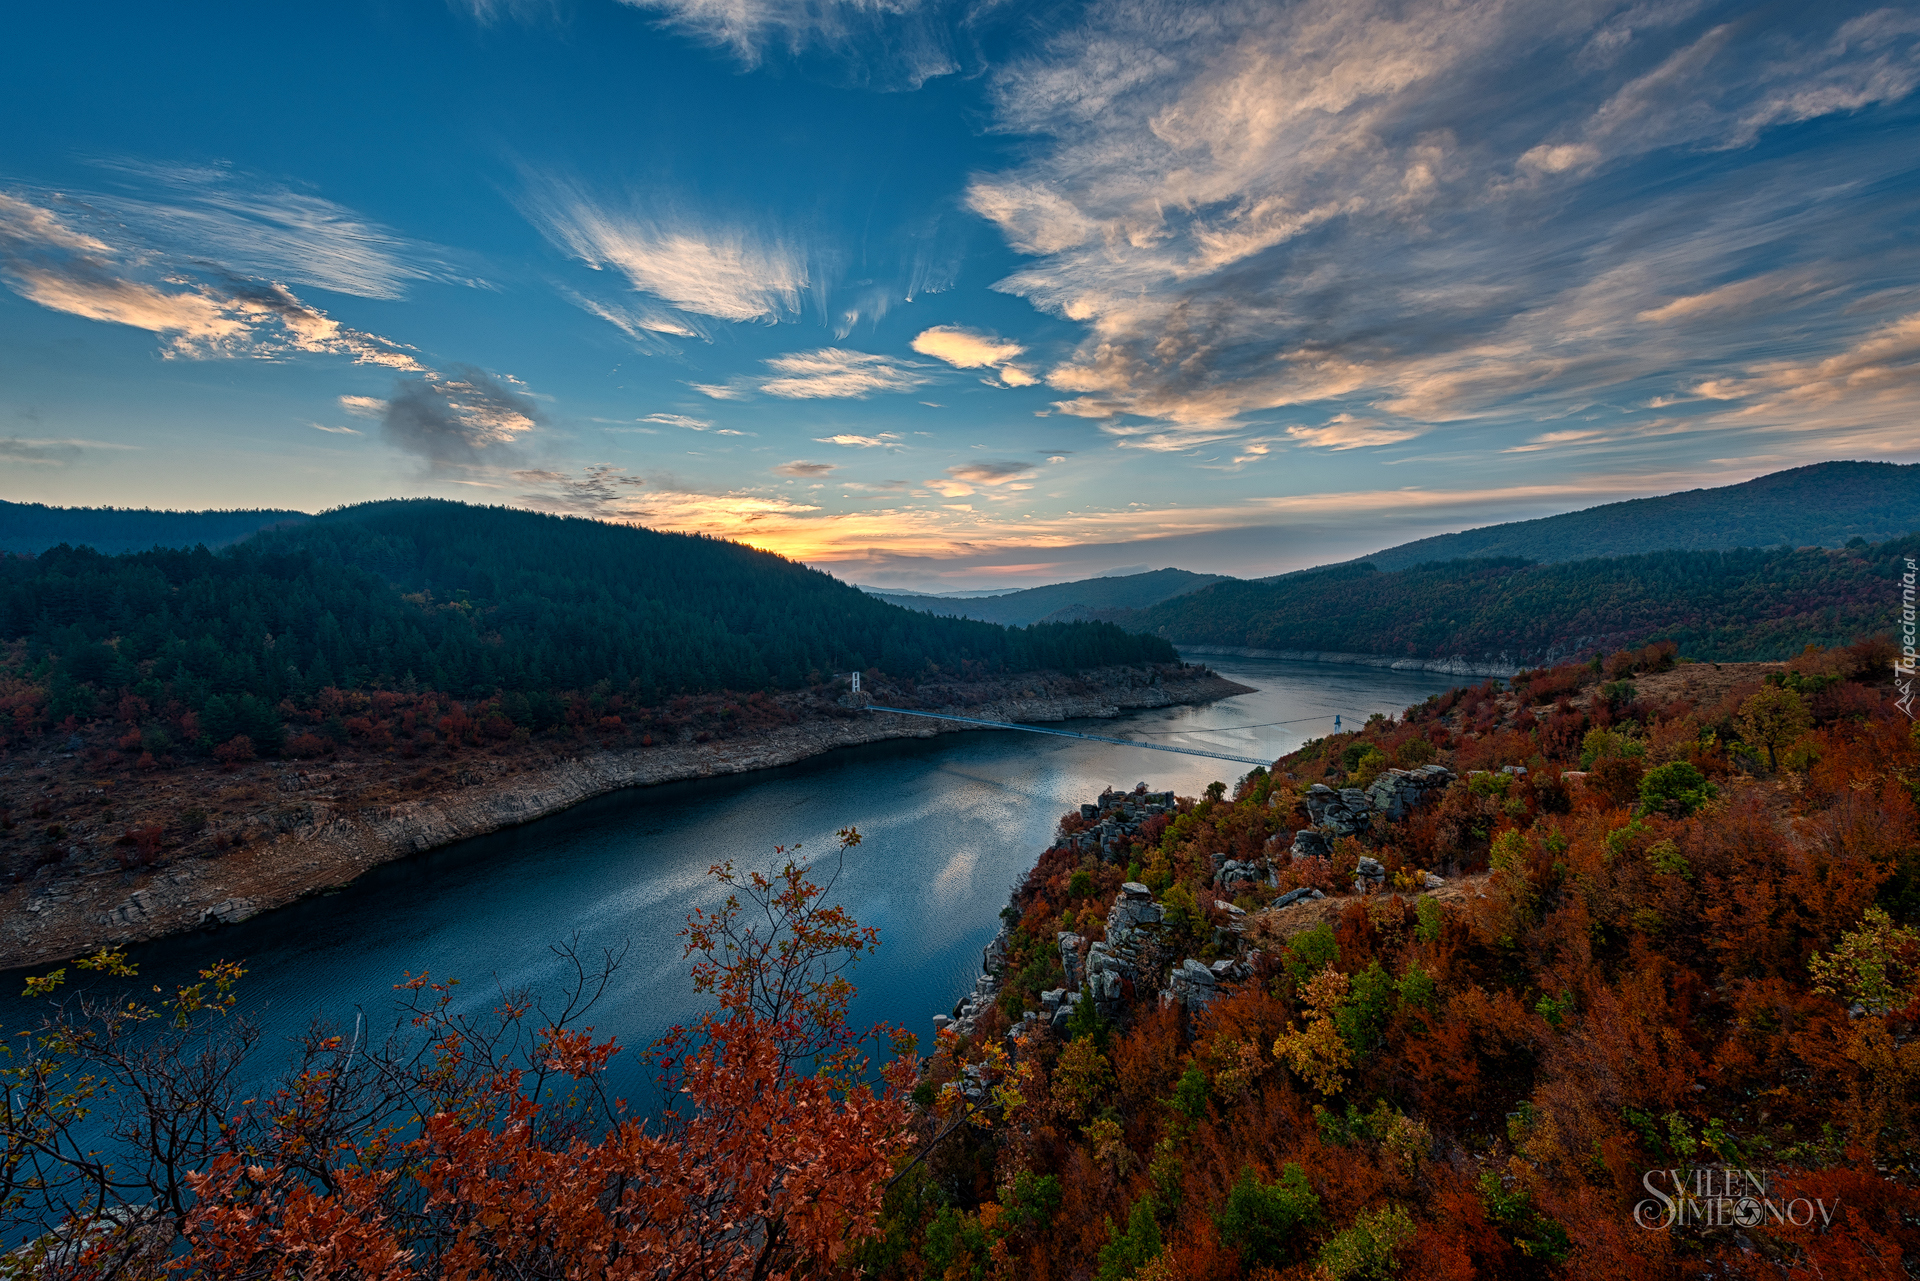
[157, 853]
[1444, 666]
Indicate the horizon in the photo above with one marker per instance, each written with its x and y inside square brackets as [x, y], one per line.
[945, 298]
[950, 592]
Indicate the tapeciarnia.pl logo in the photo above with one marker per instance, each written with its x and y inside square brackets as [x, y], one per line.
[1903, 666]
[1722, 1197]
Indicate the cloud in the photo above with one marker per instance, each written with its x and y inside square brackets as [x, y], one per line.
[1344, 431]
[828, 373]
[966, 348]
[974, 349]
[1878, 375]
[888, 44]
[50, 453]
[266, 230]
[883, 440]
[644, 325]
[677, 420]
[364, 406]
[47, 260]
[1425, 213]
[338, 431]
[489, 12]
[804, 469]
[600, 489]
[728, 273]
[461, 417]
[989, 473]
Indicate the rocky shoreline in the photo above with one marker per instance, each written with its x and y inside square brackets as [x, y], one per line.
[1133, 961]
[1456, 666]
[322, 825]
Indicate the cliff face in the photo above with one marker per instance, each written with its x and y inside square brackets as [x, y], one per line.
[304, 829]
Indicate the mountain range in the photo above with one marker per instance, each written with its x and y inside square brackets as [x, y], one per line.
[1824, 505]
[1060, 602]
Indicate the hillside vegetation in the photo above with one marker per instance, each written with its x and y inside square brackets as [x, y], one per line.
[1725, 606]
[535, 616]
[1825, 505]
[31, 528]
[1681, 942]
[1560, 1023]
[1063, 602]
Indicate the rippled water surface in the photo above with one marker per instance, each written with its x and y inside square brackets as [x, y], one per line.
[949, 825]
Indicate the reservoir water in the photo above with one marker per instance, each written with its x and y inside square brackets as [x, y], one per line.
[949, 825]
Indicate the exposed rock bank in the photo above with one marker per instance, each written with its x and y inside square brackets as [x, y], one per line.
[1446, 666]
[322, 825]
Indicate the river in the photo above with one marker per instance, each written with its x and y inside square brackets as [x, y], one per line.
[949, 824]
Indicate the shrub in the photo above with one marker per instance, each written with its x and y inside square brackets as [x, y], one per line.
[1366, 1251]
[1031, 1200]
[1428, 916]
[956, 1245]
[1127, 1251]
[306, 746]
[1262, 1220]
[1190, 1093]
[1311, 951]
[1676, 788]
[1773, 718]
[235, 750]
[1363, 1016]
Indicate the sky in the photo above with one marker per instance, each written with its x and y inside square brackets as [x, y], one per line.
[958, 295]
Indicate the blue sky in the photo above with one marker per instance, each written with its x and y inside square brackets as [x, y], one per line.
[964, 294]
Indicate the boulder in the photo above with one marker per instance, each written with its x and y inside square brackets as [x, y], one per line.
[1305, 894]
[1308, 843]
[1397, 792]
[228, 912]
[1070, 960]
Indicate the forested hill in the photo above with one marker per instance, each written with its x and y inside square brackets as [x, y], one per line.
[1725, 606]
[32, 528]
[473, 601]
[1014, 609]
[1824, 505]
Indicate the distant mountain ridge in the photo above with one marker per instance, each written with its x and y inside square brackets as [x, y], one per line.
[1062, 602]
[32, 528]
[1823, 505]
[1741, 605]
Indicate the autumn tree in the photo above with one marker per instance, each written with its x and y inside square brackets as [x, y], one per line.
[478, 1144]
[1773, 718]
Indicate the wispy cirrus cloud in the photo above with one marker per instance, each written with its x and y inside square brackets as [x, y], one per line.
[885, 439]
[961, 479]
[1344, 431]
[255, 227]
[648, 327]
[828, 373]
[884, 44]
[23, 452]
[50, 256]
[705, 268]
[1428, 213]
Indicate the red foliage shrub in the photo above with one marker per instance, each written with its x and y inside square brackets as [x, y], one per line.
[234, 751]
[307, 746]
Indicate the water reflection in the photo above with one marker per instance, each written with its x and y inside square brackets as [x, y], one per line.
[949, 825]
